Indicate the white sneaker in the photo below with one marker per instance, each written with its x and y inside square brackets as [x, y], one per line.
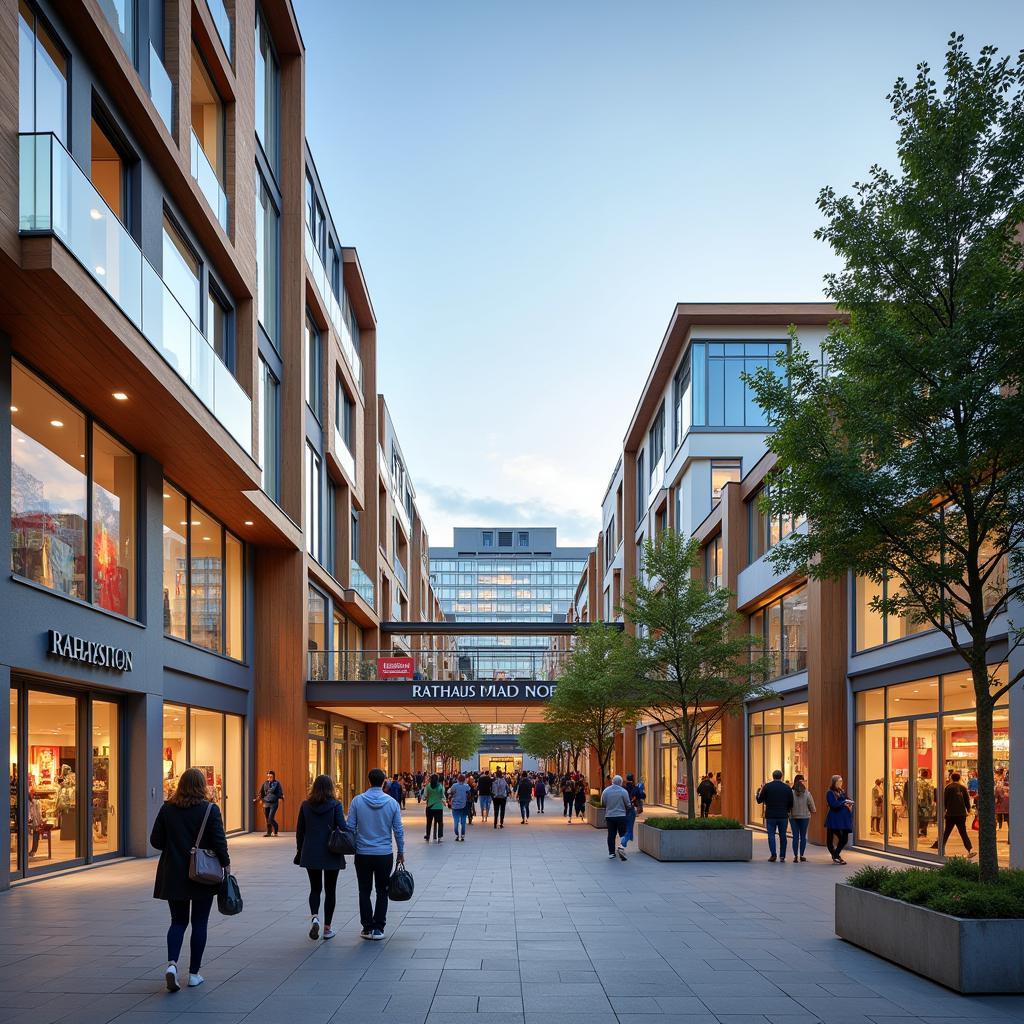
[329, 932]
[195, 980]
[377, 935]
[622, 854]
[314, 928]
[171, 978]
[611, 856]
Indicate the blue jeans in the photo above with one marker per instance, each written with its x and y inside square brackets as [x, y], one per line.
[459, 816]
[799, 835]
[630, 822]
[773, 825]
[200, 907]
[485, 803]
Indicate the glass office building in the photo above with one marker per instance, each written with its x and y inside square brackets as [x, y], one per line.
[505, 575]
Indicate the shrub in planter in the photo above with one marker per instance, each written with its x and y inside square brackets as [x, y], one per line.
[674, 823]
[672, 838]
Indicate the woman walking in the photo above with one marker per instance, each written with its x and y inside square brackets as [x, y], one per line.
[568, 795]
[800, 817]
[579, 799]
[839, 820]
[188, 820]
[435, 809]
[320, 814]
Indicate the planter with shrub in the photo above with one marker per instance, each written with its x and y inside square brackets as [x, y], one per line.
[942, 923]
[595, 812]
[673, 838]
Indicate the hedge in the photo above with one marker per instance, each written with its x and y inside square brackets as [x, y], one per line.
[675, 823]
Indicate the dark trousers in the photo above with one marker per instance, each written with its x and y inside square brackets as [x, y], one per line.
[524, 809]
[567, 806]
[777, 826]
[270, 813]
[435, 818]
[499, 810]
[705, 807]
[322, 881]
[200, 912]
[540, 802]
[616, 828]
[959, 822]
[373, 871]
[835, 840]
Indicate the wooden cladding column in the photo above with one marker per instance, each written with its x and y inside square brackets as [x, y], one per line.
[279, 697]
[826, 692]
[735, 525]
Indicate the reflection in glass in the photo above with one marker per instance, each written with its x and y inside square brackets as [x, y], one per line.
[234, 591]
[869, 801]
[113, 524]
[42, 77]
[181, 271]
[207, 580]
[105, 778]
[175, 553]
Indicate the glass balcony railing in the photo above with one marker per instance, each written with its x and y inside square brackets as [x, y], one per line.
[219, 13]
[161, 92]
[436, 666]
[361, 583]
[402, 574]
[334, 312]
[209, 183]
[344, 456]
[57, 198]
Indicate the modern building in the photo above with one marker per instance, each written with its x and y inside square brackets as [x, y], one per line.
[202, 514]
[885, 704]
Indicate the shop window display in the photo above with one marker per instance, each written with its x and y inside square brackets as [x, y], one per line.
[52, 779]
[15, 787]
[777, 739]
[105, 777]
[923, 732]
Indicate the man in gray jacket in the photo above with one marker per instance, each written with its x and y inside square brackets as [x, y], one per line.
[617, 805]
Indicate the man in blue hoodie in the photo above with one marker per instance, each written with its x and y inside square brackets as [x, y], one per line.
[374, 817]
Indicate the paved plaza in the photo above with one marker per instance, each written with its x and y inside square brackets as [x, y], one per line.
[527, 925]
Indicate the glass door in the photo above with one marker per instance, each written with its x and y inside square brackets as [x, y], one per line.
[15, 783]
[928, 794]
[899, 786]
[106, 776]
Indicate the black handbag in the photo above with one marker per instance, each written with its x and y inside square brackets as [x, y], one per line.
[401, 886]
[229, 897]
[340, 841]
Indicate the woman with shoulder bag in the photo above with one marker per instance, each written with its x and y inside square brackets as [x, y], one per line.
[188, 827]
[320, 817]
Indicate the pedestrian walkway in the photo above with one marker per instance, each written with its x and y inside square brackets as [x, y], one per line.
[524, 925]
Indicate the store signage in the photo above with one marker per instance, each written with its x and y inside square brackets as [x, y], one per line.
[482, 691]
[394, 668]
[682, 792]
[74, 648]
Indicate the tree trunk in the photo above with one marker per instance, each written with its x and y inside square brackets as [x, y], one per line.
[988, 859]
[690, 795]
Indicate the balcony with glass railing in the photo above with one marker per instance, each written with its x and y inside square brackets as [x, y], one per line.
[436, 666]
[221, 22]
[57, 198]
[335, 313]
[209, 183]
[402, 574]
[345, 458]
[361, 583]
[161, 91]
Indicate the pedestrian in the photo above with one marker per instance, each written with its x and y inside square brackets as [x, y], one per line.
[568, 795]
[375, 817]
[187, 821]
[483, 788]
[956, 804]
[524, 793]
[435, 798]
[617, 806]
[838, 820]
[319, 815]
[499, 791]
[925, 803]
[630, 787]
[1002, 800]
[271, 795]
[458, 801]
[418, 783]
[395, 790]
[540, 790]
[707, 792]
[777, 800]
[579, 798]
[800, 817]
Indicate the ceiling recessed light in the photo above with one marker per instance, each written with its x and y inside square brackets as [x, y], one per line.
[120, 396]
[249, 522]
[56, 423]
[166, 495]
[21, 440]
[95, 214]
[206, 538]
[14, 408]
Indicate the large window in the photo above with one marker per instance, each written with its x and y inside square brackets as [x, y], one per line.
[344, 415]
[108, 172]
[681, 402]
[720, 397]
[56, 503]
[721, 474]
[657, 439]
[182, 271]
[268, 78]
[270, 431]
[783, 624]
[714, 567]
[909, 740]
[767, 530]
[316, 628]
[207, 117]
[203, 577]
[314, 362]
[313, 504]
[268, 245]
[641, 488]
[777, 740]
[871, 628]
[42, 77]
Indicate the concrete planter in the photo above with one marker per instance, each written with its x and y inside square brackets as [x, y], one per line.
[595, 816]
[967, 955]
[695, 844]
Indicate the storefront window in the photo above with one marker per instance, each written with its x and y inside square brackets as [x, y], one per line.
[113, 524]
[175, 759]
[54, 790]
[234, 791]
[175, 547]
[106, 775]
[923, 732]
[777, 740]
[668, 769]
[206, 588]
[206, 749]
[15, 781]
[316, 744]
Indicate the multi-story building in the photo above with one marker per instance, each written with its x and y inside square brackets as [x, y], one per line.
[887, 705]
[191, 463]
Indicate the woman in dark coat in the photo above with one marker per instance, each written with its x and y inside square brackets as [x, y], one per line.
[580, 798]
[177, 829]
[319, 815]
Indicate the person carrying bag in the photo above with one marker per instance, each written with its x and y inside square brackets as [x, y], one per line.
[322, 839]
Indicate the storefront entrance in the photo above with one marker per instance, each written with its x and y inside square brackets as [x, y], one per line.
[65, 778]
[501, 762]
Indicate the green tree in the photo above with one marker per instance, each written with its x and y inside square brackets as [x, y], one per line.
[594, 697]
[553, 742]
[692, 665]
[452, 742]
[906, 452]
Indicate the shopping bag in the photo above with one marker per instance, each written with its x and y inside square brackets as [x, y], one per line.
[229, 897]
[401, 886]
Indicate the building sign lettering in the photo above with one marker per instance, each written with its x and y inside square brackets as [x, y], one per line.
[482, 691]
[74, 648]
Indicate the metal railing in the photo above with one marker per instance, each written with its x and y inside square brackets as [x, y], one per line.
[334, 311]
[222, 22]
[361, 583]
[209, 183]
[782, 662]
[443, 666]
[57, 198]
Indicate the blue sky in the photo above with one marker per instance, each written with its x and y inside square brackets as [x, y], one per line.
[532, 186]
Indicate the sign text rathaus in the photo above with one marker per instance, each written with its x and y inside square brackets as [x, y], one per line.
[482, 691]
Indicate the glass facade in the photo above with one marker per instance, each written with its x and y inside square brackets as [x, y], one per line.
[783, 625]
[42, 77]
[909, 740]
[767, 530]
[776, 739]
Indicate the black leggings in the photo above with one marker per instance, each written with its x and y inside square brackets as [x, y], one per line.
[322, 881]
[435, 817]
[270, 813]
[540, 802]
[200, 907]
[831, 837]
[499, 810]
[567, 806]
[960, 824]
